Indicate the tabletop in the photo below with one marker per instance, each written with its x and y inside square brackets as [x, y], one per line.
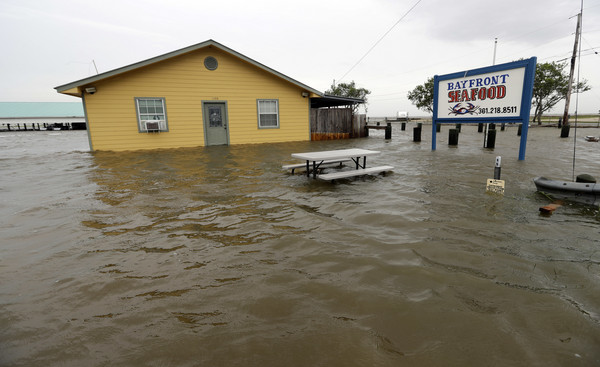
[335, 154]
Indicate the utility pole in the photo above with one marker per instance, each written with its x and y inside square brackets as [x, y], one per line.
[568, 97]
[485, 133]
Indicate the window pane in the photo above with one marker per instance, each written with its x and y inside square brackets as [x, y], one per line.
[214, 117]
[268, 120]
[267, 106]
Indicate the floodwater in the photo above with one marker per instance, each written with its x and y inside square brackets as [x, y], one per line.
[216, 257]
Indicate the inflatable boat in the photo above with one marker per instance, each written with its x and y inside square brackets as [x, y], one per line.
[584, 190]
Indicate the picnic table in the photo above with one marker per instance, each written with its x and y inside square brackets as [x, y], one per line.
[340, 155]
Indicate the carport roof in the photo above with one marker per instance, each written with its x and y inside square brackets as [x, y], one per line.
[334, 101]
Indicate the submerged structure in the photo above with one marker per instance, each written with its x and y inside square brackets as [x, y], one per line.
[205, 94]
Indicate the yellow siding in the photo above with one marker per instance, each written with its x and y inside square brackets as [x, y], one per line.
[185, 83]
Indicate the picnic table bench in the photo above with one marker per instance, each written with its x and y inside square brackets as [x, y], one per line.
[358, 172]
[324, 163]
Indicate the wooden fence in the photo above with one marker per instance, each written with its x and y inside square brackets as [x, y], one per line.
[335, 123]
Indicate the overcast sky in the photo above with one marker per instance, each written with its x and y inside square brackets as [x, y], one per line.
[46, 43]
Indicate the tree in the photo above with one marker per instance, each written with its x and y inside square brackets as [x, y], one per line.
[550, 87]
[422, 96]
[349, 90]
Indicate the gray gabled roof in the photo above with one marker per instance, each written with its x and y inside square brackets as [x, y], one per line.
[182, 51]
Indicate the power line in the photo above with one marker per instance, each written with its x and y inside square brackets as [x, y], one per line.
[380, 39]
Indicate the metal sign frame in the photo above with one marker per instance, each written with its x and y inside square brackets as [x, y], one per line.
[473, 115]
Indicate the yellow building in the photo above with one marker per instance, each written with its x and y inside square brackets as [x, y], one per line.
[205, 94]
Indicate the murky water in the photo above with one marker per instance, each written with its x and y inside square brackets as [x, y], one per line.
[217, 257]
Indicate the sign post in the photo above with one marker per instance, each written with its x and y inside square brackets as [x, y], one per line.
[494, 94]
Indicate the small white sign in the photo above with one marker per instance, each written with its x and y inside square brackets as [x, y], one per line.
[495, 186]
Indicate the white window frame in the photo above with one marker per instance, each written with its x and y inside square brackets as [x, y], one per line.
[151, 116]
[259, 113]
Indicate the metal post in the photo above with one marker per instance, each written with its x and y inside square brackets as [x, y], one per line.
[497, 168]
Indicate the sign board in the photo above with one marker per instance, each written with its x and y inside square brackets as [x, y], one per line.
[487, 95]
[493, 94]
[495, 186]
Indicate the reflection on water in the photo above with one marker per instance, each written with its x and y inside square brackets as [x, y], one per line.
[215, 256]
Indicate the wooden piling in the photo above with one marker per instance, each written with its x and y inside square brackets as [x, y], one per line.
[388, 131]
[453, 136]
[491, 139]
[417, 134]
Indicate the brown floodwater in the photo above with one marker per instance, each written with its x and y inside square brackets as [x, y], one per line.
[216, 257]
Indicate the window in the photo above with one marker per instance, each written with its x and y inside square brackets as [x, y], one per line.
[211, 63]
[268, 113]
[152, 115]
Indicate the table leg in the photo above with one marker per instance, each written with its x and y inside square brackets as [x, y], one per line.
[307, 168]
[314, 169]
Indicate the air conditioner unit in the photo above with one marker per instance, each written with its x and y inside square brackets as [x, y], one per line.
[152, 126]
